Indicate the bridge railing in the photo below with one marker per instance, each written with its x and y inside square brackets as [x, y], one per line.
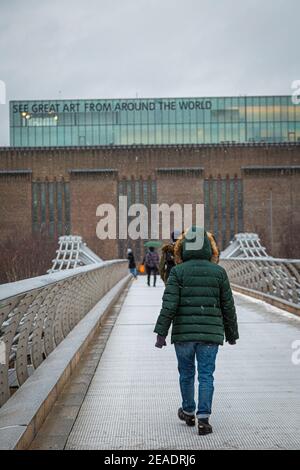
[279, 278]
[37, 314]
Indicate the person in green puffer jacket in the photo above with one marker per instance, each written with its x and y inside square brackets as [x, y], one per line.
[198, 301]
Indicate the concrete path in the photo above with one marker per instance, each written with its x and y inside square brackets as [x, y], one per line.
[133, 398]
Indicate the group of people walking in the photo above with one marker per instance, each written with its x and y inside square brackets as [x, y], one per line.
[199, 304]
[153, 264]
[150, 264]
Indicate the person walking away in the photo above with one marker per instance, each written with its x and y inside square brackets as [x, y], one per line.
[167, 260]
[198, 302]
[151, 264]
[131, 263]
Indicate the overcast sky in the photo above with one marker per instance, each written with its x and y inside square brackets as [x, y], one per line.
[146, 48]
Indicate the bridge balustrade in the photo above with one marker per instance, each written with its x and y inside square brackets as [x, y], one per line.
[279, 278]
[37, 314]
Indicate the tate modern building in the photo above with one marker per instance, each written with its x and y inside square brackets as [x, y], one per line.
[239, 156]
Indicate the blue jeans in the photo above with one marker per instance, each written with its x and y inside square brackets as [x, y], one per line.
[133, 271]
[205, 353]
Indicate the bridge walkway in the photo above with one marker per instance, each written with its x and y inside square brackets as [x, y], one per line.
[133, 397]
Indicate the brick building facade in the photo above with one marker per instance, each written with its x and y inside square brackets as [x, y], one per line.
[243, 187]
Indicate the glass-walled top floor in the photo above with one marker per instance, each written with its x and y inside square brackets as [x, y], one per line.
[158, 121]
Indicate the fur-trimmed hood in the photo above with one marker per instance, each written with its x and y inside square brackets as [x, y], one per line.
[212, 251]
[168, 247]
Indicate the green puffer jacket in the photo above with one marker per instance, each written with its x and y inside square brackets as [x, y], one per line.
[198, 300]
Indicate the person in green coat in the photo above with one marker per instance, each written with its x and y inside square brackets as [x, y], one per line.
[199, 304]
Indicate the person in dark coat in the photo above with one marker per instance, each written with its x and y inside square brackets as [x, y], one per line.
[131, 263]
[167, 259]
[151, 265]
[198, 302]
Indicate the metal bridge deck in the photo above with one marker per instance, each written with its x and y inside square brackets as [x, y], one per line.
[133, 399]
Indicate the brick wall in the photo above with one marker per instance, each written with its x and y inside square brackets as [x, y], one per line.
[15, 204]
[222, 164]
[179, 186]
[88, 191]
[271, 208]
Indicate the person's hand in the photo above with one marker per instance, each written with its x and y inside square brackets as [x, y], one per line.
[160, 341]
[232, 342]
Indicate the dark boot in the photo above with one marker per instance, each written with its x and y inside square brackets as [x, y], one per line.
[189, 419]
[204, 427]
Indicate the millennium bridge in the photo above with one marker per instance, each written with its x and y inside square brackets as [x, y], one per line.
[79, 370]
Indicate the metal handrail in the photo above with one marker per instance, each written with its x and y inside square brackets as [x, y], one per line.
[37, 314]
[276, 277]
